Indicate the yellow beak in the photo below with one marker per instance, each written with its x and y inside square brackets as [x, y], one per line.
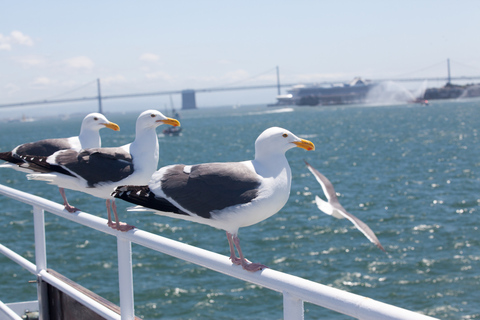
[305, 144]
[112, 126]
[170, 121]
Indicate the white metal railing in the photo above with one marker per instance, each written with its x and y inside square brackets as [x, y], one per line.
[295, 290]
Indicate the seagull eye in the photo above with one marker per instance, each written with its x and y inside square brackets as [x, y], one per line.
[95, 118]
[153, 115]
[284, 135]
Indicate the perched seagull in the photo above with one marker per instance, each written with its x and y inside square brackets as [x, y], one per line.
[334, 208]
[99, 171]
[226, 195]
[89, 137]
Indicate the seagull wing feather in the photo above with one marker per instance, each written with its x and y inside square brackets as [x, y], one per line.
[364, 228]
[327, 186]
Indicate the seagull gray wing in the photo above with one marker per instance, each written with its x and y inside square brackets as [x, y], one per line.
[97, 165]
[42, 148]
[210, 187]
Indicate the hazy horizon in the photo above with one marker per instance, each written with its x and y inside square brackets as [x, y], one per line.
[53, 50]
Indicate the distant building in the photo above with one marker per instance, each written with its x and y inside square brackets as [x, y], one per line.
[188, 99]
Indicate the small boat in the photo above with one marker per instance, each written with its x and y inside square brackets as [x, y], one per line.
[173, 131]
[423, 102]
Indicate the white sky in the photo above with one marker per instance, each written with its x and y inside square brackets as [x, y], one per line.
[48, 48]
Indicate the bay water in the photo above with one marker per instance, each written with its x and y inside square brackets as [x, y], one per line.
[410, 172]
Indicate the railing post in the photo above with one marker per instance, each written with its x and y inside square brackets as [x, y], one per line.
[40, 260]
[125, 278]
[40, 246]
[292, 307]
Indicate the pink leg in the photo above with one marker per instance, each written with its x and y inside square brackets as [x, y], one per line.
[121, 226]
[67, 206]
[233, 256]
[247, 265]
[109, 223]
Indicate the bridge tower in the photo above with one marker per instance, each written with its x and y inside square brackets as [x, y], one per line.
[278, 81]
[188, 99]
[100, 110]
[448, 69]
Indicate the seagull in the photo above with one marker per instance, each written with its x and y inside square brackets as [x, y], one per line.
[89, 137]
[98, 171]
[223, 195]
[335, 209]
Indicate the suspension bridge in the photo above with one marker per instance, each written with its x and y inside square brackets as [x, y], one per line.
[189, 95]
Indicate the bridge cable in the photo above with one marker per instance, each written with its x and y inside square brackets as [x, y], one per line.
[464, 65]
[419, 70]
[71, 91]
[249, 78]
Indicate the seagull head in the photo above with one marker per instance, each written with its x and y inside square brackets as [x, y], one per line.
[154, 118]
[278, 140]
[96, 121]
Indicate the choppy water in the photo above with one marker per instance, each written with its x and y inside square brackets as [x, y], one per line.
[410, 172]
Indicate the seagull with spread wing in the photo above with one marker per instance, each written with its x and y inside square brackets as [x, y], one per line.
[334, 208]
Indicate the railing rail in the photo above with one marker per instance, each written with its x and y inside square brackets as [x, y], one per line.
[295, 290]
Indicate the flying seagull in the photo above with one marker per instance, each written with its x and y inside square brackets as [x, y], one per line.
[334, 208]
[99, 171]
[89, 137]
[227, 195]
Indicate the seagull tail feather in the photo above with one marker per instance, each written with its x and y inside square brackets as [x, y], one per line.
[145, 199]
[9, 157]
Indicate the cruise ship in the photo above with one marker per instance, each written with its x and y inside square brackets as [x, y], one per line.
[355, 91]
